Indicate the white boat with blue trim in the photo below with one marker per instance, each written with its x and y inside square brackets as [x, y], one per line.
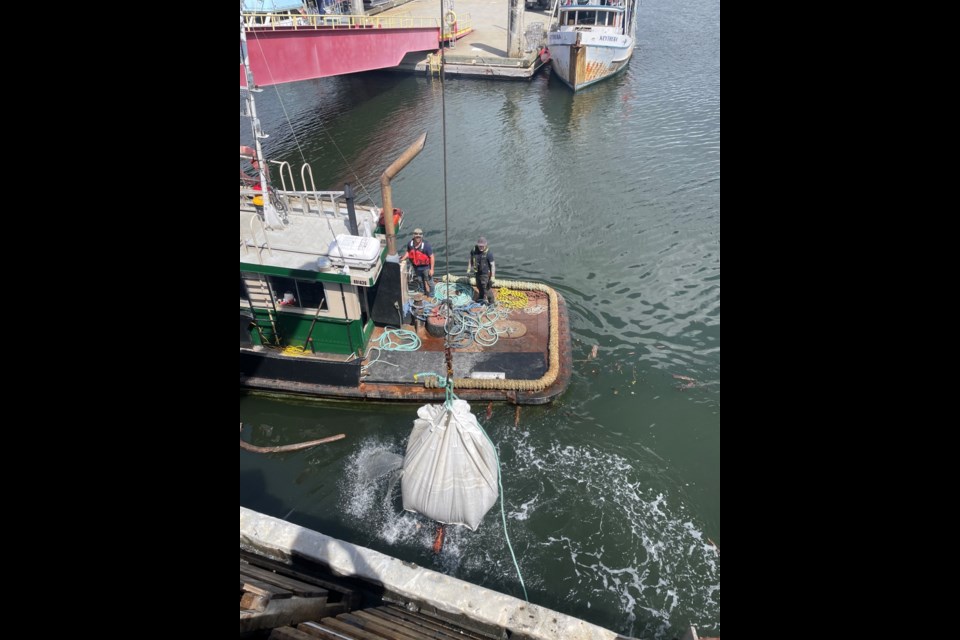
[591, 40]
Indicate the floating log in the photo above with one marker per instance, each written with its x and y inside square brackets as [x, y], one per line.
[288, 447]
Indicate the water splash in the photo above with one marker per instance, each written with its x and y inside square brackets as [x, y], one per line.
[613, 544]
[592, 539]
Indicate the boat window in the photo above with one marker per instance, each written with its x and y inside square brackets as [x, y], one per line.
[587, 17]
[312, 294]
[303, 294]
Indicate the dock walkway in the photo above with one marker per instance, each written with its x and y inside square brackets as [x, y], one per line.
[483, 51]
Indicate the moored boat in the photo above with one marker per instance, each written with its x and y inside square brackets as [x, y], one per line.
[591, 40]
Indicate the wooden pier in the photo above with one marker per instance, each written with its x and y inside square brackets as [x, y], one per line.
[290, 604]
[297, 584]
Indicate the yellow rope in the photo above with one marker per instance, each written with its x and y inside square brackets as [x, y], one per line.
[511, 298]
[553, 347]
[294, 351]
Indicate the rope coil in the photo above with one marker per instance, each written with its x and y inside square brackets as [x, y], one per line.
[553, 347]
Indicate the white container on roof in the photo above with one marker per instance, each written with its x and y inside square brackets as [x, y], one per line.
[354, 251]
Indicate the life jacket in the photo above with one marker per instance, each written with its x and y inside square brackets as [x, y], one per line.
[397, 214]
[481, 263]
[417, 256]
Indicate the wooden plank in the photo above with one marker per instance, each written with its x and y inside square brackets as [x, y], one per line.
[280, 613]
[351, 596]
[333, 609]
[261, 588]
[298, 587]
[417, 618]
[462, 628]
[350, 630]
[317, 630]
[288, 633]
[374, 626]
[389, 627]
[423, 626]
[254, 602]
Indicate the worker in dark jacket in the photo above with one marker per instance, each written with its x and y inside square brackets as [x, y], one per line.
[483, 268]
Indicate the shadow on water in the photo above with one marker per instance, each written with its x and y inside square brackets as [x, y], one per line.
[578, 111]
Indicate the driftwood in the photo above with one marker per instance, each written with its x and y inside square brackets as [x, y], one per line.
[288, 447]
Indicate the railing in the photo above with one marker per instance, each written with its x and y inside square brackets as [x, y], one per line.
[315, 202]
[256, 222]
[262, 21]
[289, 200]
[310, 202]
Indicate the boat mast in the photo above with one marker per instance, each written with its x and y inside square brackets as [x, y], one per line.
[270, 213]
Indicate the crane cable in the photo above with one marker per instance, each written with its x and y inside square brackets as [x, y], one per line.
[447, 347]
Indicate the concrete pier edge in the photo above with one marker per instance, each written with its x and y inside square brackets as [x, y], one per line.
[280, 540]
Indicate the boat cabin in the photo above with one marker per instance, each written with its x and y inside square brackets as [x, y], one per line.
[598, 13]
[311, 283]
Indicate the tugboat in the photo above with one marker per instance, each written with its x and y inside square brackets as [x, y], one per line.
[327, 310]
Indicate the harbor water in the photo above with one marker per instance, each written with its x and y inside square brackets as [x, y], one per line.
[612, 196]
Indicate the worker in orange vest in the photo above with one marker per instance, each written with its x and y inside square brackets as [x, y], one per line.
[420, 254]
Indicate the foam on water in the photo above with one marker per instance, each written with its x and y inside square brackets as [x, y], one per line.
[617, 544]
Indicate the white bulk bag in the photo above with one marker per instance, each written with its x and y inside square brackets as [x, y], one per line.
[450, 470]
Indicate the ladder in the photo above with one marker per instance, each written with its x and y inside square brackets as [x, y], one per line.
[433, 62]
[263, 308]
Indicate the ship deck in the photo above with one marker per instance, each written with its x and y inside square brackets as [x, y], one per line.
[529, 364]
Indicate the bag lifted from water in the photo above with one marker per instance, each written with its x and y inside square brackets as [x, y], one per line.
[450, 471]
